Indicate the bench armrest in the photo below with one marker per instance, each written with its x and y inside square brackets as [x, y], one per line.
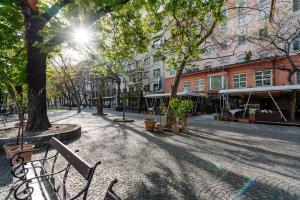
[110, 194]
[24, 188]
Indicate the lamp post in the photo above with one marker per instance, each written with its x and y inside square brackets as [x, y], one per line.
[123, 97]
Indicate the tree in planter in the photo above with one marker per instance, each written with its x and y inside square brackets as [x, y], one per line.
[187, 25]
[279, 42]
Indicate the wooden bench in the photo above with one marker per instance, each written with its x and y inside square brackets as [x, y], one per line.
[39, 179]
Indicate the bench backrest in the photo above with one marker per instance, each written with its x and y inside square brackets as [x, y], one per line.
[78, 163]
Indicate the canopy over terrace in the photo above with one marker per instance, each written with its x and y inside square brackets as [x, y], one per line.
[151, 99]
[269, 90]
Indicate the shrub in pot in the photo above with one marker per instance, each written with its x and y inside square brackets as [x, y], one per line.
[181, 109]
[25, 150]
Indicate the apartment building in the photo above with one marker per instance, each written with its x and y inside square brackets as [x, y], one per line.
[145, 75]
[244, 61]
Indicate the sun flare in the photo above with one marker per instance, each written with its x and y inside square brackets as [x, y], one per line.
[82, 36]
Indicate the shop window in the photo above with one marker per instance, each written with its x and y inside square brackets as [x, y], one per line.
[298, 77]
[187, 86]
[199, 84]
[217, 82]
[263, 78]
[239, 80]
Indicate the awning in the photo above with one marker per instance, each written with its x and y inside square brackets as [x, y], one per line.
[261, 89]
[186, 94]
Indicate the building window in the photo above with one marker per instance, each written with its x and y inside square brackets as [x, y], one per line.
[223, 27]
[296, 44]
[217, 82]
[224, 45]
[199, 84]
[155, 87]
[298, 77]
[242, 39]
[263, 78]
[187, 86]
[156, 73]
[147, 61]
[207, 50]
[241, 21]
[172, 72]
[147, 74]
[263, 33]
[296, 5]
[241, 6]
[239, 80]
[147, 88]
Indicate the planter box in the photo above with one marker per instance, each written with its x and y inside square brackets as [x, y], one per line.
[273, 117]
[244, 120]
[175, 129]
[160, 128]
[12, 150]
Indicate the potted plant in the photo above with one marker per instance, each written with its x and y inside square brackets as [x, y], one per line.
[185, 107]
[160, 127]
[181, 109]
[150, 124]
[175, 106]
[19, 146]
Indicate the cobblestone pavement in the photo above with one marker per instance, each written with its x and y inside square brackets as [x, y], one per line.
[215, 160]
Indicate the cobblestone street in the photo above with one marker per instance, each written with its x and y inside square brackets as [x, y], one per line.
[215, 160]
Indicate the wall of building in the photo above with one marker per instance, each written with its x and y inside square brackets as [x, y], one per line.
[279, 77]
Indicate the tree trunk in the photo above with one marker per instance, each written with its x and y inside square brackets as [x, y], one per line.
[36, 70]
[100, 97]
[118, 93]
[37, 105]
[293, 105]
[171, 118]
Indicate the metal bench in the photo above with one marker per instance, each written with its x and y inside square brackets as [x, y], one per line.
[39, 179]
[3, 118]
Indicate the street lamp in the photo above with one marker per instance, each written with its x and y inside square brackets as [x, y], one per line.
[123, 97]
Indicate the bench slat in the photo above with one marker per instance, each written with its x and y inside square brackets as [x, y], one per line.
[56, 182]
[78, 163]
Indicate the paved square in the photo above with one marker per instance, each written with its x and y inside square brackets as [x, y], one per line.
[216, 160]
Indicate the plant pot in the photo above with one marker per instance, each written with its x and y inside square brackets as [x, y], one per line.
[160, 128]
[12, 149]
[184, 128]
[244, 120]
[198, 113]
[216, 117]
[190, 114]
[150, 124]
[175, 128]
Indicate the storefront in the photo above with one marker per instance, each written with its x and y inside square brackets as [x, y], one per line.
[272, 103]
